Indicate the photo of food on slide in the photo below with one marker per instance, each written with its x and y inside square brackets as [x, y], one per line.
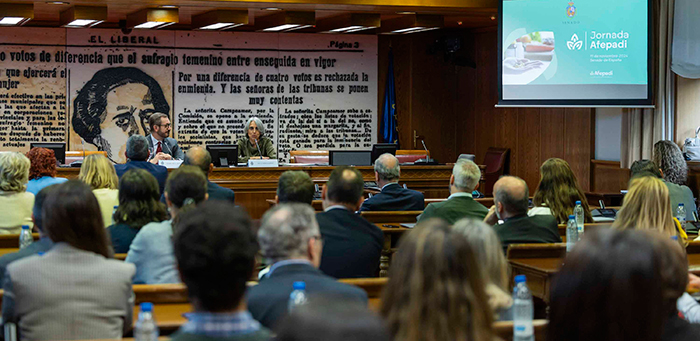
[527, 57]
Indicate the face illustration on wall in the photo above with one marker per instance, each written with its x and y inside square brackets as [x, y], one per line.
[115, 104]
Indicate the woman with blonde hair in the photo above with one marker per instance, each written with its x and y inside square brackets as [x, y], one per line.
[99, 173]
[435, 289]
[15, 201]
[488, 250]
[558, 192]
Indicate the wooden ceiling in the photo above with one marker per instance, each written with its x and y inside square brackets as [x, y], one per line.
[457, 13]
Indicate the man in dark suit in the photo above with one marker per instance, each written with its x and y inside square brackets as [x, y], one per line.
[137, 154]
[460, 204]
[289, 236]
[200, 157]
[295, 186]
[353, 245]
[160, 146]
[510, 205]
[393, 197]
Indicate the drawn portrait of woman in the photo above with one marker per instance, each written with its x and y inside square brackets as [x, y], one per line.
[115, 104]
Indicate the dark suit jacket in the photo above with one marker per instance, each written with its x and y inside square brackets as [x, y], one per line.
[393, 197]
[455, 209]
[169, 147]
[41, 245]
[160, 172]
[268, 300]
[524, 229]
[351, 244]
[217, 192]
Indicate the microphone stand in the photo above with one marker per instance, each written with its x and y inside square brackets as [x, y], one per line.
[258, 146]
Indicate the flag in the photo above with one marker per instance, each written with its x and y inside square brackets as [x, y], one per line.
[390, 134]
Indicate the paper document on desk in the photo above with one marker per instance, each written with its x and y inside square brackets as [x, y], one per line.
[408, 225]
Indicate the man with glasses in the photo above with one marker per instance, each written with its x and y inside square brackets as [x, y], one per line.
[160, 146]
[291, 241]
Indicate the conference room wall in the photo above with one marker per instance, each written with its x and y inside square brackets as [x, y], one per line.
[453, 107]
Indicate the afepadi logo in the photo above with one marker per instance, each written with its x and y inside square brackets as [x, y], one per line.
[571, 10]
[574, 43]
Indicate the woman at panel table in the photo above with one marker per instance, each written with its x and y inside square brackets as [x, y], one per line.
[247, 148]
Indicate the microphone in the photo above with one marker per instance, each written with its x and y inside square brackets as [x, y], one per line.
[256, 144]
[427, 154]
[427, 160]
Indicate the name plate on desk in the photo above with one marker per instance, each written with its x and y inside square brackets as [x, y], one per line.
[170, 163]
[256, 163]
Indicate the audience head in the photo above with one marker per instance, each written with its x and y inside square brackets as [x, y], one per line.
[98, 172]
[200, 158]
[338, 320]
[39, 199]
[345, 186]
[72, 215]
[617, 285]
[559, 190]
[139, 199]
[670, 159]
[646, 206]
[215, 249]
[487, 248]
[295, 186]
[14, 172]
[644, 168]
[511, 197]
[387, 168]
[435, 289]
[137, 148]
[465, 176]
[43, 163]
[290, 231]
[185, 188]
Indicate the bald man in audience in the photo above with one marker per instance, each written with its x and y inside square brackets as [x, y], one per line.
[352, 245]
[393, 197]
[511, 205]
[460, 204]
[200, 157]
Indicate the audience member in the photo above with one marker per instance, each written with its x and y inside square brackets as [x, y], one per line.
[435, 289]
[152, 248]
[460, 204]
[393, 197]
[336, 320]
[289, 237]
[42, 171]
[42, 245]
[511, 201]
[200, 158]
[73, 291]
[15, 201]
[647, 206]
[138, 206]
[670, 160]
[98, 172]
[295, 186]
[137, 155]
[620, 285]
[353, 245]
[558, 192]
[494, 268]
[215, 247]
[678, 193]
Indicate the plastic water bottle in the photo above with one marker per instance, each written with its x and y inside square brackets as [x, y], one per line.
[523, 311]
[298, 296]
[571, 233]
[680, 215]
[146, 328]
[580, 218]
[25, 237]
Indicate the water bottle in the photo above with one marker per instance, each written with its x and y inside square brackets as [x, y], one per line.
[571, 233]
[146, 328]
[580, 217]
[523, 311]
[25, 237]
[297, 297]
[114, 213]
[680, 215]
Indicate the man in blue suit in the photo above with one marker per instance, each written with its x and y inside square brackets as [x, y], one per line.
[200, 157]
[393, 197]
[137, 154]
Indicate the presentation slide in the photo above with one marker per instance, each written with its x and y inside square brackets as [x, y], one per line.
[575, 51]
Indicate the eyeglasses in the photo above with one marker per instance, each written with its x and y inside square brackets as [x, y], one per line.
[318, 237]
[165, 125]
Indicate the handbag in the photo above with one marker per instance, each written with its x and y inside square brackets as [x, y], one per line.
[691, 147]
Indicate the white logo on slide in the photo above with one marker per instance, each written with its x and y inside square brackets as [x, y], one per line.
[574, 43]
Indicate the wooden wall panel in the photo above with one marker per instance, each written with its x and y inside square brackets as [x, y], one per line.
[608, 177]
[577, 142]
[529, 146]
[552, 126]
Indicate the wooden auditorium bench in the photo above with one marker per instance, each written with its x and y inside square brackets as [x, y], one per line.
[391, 216]
[586, 227]
[11, 241]
[504, 329]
